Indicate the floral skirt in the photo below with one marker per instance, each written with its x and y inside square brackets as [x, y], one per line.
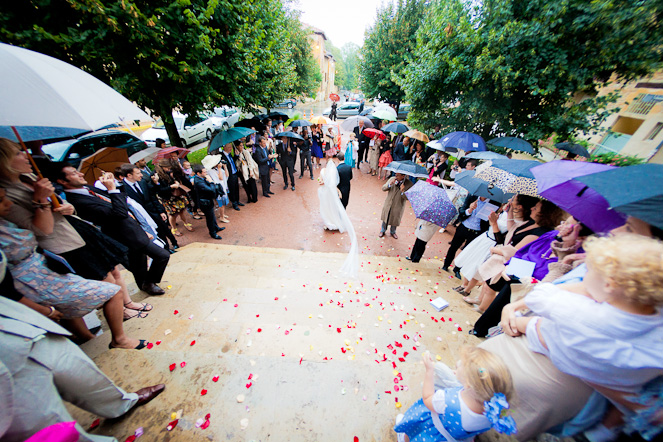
[175, 204]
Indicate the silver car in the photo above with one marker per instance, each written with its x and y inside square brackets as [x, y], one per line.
[344, 110]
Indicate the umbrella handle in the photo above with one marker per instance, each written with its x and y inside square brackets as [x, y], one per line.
[54, 199]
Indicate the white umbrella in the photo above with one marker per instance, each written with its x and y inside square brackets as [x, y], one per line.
[352, 122]
[145, 154]
[43, 97]
[384, 113]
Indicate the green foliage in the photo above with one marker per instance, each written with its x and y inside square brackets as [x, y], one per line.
[350, 56]
[512, 67]
[388, 49]
[616, 159]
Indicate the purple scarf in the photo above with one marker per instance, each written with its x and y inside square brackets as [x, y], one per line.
[539, 252]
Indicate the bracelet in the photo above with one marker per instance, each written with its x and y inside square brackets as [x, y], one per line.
[38, 205]
[50, 315]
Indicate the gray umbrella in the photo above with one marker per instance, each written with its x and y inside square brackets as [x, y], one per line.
[352, 122]
[407, 168]
[512, 143]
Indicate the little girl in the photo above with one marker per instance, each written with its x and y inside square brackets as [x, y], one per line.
[468, 404]
[188, 171]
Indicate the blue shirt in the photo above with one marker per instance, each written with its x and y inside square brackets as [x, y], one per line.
[233, 169]
[473, 222]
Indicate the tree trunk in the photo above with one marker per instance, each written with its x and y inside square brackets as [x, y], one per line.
[171, 129]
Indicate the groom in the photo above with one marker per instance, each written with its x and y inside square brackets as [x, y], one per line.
[344, 177]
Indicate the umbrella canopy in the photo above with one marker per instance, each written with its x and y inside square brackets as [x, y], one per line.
[512, 176]
[384, 113]
[334, 97]
[431, 203]
[437, 145]
[145, 154]
[44, 97]
[103, 160]
[633, 190]
[165, 153]
[397, 128]
[466, 141]
[299, 123]
[512, 143]
[417, 135]
[487, 155]
[573, 148]
[352, 122]
[289, 134]
[278, 116]
[555, 182]
[479, 187]
[320, 120]
[407, 168]
[373, 132]
[228, 136]
[251, 123]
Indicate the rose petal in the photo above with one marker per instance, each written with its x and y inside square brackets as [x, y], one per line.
[158, 342]
[182, 364]
[172, 425]
[203, 392]
[176, 312]
[172, 367]
[149, 345]
[193, 342]
[94, 425]
[215, 379]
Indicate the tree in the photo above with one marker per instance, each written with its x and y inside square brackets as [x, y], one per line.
[514, 67]
[340, 77]
[350, 55]
[186, 54]
[388, 48]
[307, 74]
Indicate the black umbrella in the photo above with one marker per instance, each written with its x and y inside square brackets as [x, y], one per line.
[289, 134]
[299, 123]
[251, 123]
[397, 128]
[573, 148]
[278, 116]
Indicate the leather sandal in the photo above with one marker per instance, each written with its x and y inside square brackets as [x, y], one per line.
[131, 313]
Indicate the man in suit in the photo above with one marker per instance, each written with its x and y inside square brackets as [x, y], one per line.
[262, 157]
[233, 183]
[363, 141]
[305, 155]
[109, 210]
[144, 170]
[401, 150]
[137, 190]
[287, 152]
[40, 368]
[344, 177]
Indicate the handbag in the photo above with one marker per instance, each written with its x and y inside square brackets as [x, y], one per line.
[219, 190]
[205, 204]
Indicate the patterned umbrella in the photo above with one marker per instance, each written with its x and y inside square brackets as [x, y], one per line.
[431, 203]
[512, 176]
[165, 153]
[479, 187]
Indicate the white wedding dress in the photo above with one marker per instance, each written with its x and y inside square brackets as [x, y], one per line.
[334, 216]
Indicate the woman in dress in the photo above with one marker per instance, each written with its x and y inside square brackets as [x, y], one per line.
[66, 297]
[249, 171]
[92, 254]
[217, 171]
[316, 144]
[351, 151]
[374, 155]
[330, 144]
[385, 159]
[172, 193]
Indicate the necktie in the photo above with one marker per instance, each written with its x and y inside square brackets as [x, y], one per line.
[138, 189]
[101, 197]
[233, 168]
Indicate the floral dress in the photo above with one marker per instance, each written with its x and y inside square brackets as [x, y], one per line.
[70, 294]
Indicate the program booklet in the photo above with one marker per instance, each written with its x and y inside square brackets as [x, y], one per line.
[439, 304]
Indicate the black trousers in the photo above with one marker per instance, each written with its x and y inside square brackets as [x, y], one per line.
[288, 168]
[210, 219]
[265, 183]
[418, 250]
[163, 231]
[463, 235]
[361, 153]
[493, 314]
[305, 160]
[250, 187]
[233, 189]
[138, 263]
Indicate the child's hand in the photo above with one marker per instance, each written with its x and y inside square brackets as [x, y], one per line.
[428, 362]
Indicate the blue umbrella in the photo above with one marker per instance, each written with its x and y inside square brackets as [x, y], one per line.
[633, 190]
[407, 168]
[431, 203]
[437, 145]
[228, 136]
[521, 168]
[487, 155]
[397, 128]
[289, 134]
[479, 187]
[466, 141]
[512, 143]
[555, 182]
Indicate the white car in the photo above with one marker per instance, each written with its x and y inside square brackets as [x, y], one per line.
[191, 129]
[223, 118]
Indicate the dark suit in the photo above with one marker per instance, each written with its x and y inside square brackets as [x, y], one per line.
[152, 206]
[344, 177]
[147, 175]
[206, 196]
[233, 185]
[305, 157]
[114, 219]
[399, 152]
[363, 141]
[287, 161]
[260, 156]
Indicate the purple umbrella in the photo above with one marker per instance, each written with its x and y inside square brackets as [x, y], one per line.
[431, 203]
[555, 181]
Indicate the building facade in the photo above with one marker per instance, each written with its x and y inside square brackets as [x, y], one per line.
[637, 128]
[326, 62]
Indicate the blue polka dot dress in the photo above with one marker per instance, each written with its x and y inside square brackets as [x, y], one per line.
[418, 422]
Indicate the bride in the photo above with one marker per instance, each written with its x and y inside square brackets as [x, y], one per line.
[334, 216]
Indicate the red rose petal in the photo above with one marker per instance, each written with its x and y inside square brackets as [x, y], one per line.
[193, 342]
[205, 424]
[175, 312]
[249, 385]
[182, 364]
[215, 379]
[235, 305]
[203, 392]
[94, 425]
[149, 345]
[158, 342]
[259, 330]
[172, 367]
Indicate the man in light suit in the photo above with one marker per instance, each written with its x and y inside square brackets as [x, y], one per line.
[262, 157]
[40, 367]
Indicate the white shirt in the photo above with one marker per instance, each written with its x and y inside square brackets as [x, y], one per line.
[596, 341]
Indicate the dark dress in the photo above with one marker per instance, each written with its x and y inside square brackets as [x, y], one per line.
[316, 150]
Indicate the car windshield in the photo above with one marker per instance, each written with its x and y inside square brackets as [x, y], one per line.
[179, 123]
[57, 150]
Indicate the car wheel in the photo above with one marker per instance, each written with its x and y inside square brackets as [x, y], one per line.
[208, 134]
[183, 143]
[290, 106]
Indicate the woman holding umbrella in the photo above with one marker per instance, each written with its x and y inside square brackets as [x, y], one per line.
[374, 155]
[172, 194]
[316, 144]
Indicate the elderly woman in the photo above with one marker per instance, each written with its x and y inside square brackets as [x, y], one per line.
[91, 254]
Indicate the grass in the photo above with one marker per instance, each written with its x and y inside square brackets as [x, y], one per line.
[197, 156]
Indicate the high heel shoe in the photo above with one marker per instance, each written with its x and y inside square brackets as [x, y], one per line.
[188, 226]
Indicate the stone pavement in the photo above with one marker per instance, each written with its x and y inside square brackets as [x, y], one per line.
[315, 357]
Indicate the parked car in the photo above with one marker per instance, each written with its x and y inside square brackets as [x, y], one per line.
[191, 129]
[403, 111]
[223, 118]
[75, 150]
[345, 110]
[289, 103]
